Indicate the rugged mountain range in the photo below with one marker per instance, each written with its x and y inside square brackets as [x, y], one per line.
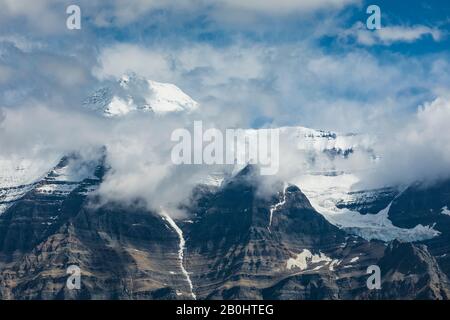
[233, 244]
[310, 238]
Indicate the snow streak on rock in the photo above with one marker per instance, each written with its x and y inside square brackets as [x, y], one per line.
[180, 250]
[277, 206]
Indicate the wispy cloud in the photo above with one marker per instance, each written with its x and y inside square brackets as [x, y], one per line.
[391, 34]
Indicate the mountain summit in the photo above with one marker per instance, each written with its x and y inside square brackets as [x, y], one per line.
[134, 93]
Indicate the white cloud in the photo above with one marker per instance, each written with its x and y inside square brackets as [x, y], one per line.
[5, 73]
[23, 43]
[47, 16]
[391, 34]
[416, 149]
[293, 83]
[43, 16]
[217, 64]
[289, 83]
[407, 34]
[283, 7]
[117, 60]
[138, 150]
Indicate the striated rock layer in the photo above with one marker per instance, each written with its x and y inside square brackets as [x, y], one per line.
[236, 243]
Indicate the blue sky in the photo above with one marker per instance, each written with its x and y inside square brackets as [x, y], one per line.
[267, 63]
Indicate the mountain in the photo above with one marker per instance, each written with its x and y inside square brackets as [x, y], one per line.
[133, 93]
[231, 245]
[124, 252]
[311, 237]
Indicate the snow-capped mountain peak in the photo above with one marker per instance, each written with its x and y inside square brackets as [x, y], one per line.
[134, 93]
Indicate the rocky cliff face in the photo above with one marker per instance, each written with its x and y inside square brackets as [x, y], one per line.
[238, 251]
[428, 205]
[236, 242]
[123, 252]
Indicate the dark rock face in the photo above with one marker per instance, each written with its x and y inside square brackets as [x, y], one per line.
[232, 254]
[411, 268]
[240, 243]
[124, 253]
[425, 204]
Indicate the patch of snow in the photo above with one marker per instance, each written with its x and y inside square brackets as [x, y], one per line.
[354, 259]
[214, 179]
[333, 263]
[304, 258]
[59, 188]
[317, 268]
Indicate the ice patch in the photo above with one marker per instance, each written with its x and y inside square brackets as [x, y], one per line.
[377, 226]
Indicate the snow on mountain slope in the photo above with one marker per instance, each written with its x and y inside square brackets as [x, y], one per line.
[18, 176]
[214, 179]
[16, 171]
[326, 141]
[67, 175]
[57, 178]
[134, 93]
[326, 192]
[330, 180]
